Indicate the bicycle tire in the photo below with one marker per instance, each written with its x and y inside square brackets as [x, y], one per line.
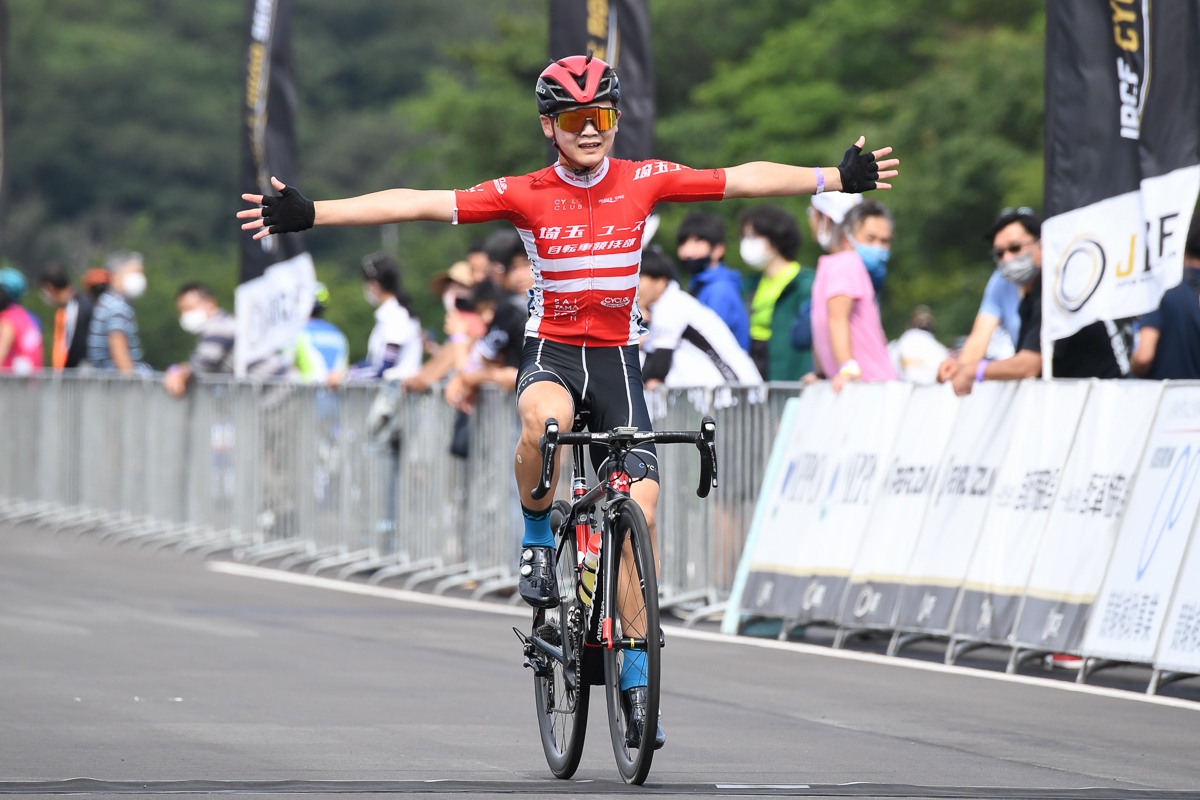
[563, 731]
[629, 523]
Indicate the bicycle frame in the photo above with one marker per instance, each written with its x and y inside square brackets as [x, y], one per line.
[614, 488]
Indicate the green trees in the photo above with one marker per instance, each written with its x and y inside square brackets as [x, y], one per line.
[123, 126]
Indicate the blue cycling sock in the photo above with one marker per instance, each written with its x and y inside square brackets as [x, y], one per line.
[537, 528]
[633, 669]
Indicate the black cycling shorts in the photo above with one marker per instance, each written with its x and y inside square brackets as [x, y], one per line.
[605, 384]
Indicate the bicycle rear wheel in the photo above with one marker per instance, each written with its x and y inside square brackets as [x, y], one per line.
[637, 594]
[561, 697]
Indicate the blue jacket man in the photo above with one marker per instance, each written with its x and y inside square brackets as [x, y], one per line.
[701, 241]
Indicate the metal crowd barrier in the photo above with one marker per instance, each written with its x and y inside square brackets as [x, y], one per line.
[355, 482]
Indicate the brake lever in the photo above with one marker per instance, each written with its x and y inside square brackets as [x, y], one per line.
[548, 444]
[706, 444]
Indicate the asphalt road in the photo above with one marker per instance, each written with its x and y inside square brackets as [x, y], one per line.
[137, 670]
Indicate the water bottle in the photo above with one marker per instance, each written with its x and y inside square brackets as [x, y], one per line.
[589, 562]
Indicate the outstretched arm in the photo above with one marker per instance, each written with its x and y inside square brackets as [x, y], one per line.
[858, 172]
[292, 212]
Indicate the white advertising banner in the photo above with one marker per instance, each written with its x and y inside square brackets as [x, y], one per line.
[952, 524]
[1086, 515]
[789, 504]
[1179, 648]
[1115, 258]
[871, 413]
[1046, 417]
[1132, 604]
[273, 309]
[909, 480]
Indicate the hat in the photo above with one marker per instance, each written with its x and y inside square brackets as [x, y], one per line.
[459, 272]
[835, 205]
[95, 276]
[13, 282]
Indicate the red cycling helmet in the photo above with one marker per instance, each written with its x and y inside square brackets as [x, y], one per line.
[576, 81]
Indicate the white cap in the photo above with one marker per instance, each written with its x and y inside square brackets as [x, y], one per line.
[835, 205]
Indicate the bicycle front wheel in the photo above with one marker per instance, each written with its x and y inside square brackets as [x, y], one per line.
[633, 587]
[561, 696]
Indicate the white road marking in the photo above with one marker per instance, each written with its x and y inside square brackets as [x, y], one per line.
[408, 596]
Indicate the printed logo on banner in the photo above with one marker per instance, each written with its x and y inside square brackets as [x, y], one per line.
[1131, 32]
[1053, 626]
[1171, 502]
[1186, 636]
[867, 602]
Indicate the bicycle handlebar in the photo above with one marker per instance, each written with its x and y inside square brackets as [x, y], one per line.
[704, 439]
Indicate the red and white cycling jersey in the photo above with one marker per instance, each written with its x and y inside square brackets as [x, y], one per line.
[584, 238]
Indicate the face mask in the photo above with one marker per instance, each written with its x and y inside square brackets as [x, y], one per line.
[134, 285]
[193, 321]
[824, 235]
[370, 297]
[695, 265]
[875, 259]
[1019, 270]
[754, 252]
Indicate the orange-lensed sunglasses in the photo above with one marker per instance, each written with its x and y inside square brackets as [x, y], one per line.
[575, 120]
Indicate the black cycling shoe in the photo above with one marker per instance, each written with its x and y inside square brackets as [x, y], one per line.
[633, 701]
[538, 585]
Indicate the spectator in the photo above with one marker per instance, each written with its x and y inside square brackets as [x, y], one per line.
[848, 338]
[71, 319]
[395, 344]
[95, 282]
[1169, 343]
[1095, 351]
[998, 323]
[20, 331]
[770, 241]
[113, 342]
[701, 240]
[480, 264]
[688, 344]
[462, 325]
[321, 348]
[216, 332]
[825, 212]
[495, 357]
[917, 354]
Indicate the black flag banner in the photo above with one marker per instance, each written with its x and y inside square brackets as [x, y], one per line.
[1122, 156]
[278, 283]
[617, 31]
[268, 125]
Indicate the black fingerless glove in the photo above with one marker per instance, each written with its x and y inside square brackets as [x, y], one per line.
[858, 170]
[290, 212]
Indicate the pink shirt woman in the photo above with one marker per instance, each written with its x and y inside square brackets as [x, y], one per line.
[25, 351]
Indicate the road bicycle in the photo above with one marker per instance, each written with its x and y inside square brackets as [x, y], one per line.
[606, 613]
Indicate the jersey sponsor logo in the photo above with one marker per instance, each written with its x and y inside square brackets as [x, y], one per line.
[655, 168]
[615, 302]
[583, 247]
[564, 307]
[613, 199]
[568, 204]
[501, 185]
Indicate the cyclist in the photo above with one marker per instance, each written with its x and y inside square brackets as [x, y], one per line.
[582, 222]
